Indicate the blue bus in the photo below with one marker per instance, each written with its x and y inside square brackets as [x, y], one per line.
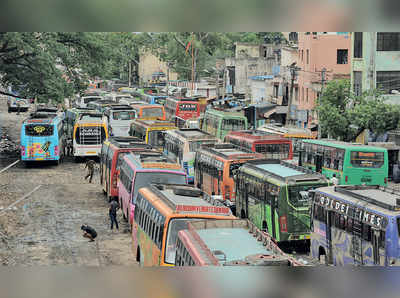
[42, 138]
[356, 225]
[154, 99]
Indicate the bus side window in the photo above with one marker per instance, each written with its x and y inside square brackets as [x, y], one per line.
[349, 226]
[366, 232]
[382, 239]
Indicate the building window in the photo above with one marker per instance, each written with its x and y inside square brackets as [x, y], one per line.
[307, 94]
[388, 81]
[358, 44]
[276, 90]
[302, 55]
[342, 56]
[308, 56]
[296, 94]
[357, 77]
[388, 41]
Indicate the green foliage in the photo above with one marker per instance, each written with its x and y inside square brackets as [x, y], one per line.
[343, 115]
[51, 65]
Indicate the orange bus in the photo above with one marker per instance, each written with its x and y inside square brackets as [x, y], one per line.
[162, 210]
[215, 165]
[149, 112]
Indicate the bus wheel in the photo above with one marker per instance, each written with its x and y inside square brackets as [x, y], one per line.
[138, 255]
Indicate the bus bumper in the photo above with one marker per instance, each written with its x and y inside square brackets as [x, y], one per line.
[87, 151]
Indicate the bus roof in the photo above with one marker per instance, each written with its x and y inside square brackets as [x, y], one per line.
[185, 199]
[91, 120]
[153, 123]
[287, 132]
[145, 106]
[344, 145]
[373, 197]
[225, 114]
[229, 151]
[120, 107]
[128, 142]
[281, 170]
[194, 134]
[253, 136]
[152, 160]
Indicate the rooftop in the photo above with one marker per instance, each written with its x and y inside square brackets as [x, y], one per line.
[279, 169]
[344, 145]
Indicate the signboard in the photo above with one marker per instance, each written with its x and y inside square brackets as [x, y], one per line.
[203, 209]
[90, 131]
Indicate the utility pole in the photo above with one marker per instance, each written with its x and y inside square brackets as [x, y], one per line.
[217, 85]
[323, 80]
[293, 73]
[130, 73]
[168, 66]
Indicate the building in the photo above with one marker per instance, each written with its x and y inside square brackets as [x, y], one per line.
[376, 63]
[150, 66]
[319, 51]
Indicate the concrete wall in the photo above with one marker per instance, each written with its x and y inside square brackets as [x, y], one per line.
[149, 64]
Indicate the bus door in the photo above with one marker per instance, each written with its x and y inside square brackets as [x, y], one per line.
[378, 249]
[330, 222]
[357, 250]
[318, 162]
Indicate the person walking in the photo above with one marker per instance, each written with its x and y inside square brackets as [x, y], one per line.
[114, 206]
[334, 180]
[89, 232]
[90, 166]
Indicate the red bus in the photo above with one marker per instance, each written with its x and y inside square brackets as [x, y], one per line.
[182, 108]
[111, 154]
[272, 147]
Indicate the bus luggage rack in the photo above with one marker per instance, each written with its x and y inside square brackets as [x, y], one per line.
[349, 190]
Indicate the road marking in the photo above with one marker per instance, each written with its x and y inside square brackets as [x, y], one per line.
[9, 166]
[19, 200]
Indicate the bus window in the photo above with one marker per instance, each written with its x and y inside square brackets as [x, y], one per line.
[366, 232]
[42, 130]
[152, 112]
[233, 124]
[156, 138]
[398, 226]
[124, 115]
[367, 159]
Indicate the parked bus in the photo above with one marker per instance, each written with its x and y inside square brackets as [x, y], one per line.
[215, 166]
[272, 147]
[209, 243]
[83, 102]
[295, 134]
[88, 136]
[112, 151]
[151, 132]
[219, 123]
[274, 195]
[358, 225]
[119, 119]
[178, 109]
[140, 170]
[154, 99]
[42, 138]
[149, 112]
[181, 146]
[352, 164]
[71, 116]
[161, 212]
[100, 105]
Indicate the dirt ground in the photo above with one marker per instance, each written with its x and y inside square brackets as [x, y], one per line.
[44, 228]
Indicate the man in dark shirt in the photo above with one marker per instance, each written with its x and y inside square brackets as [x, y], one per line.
[114, 206]
[90, 166]
[89, 232]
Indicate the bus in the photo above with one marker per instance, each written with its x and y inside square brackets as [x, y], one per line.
[140, 170]
[88, 136]
[110, 157]
[209, 243]
[181, 146]
[295, 134]
[219, 123]
[161, 212]
[151, 132]
[352, 164]
[357, 225]
[272, 147]
[215, 166]
[100, 105]
[178, 109]
[119, 119]
[274, 195]
[71, 116]
[154, 99]
[149, 112]
[42, 138]
[83, 102]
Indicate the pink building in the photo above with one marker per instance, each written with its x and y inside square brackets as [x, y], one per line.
[318, 51]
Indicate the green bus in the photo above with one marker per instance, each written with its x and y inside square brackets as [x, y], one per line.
[274, 195]
[219, 123]
[353, 164]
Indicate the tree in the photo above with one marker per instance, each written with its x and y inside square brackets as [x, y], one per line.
[344, 116]
[51, 65]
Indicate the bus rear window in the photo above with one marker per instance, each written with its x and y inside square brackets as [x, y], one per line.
[37, 130]
[152, 112]
[367, 159]
[233, 124]
[124, 115]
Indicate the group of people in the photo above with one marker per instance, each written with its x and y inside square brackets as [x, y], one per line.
[90, 232]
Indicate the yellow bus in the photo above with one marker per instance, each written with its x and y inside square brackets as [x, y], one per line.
[161, 211]
[152, 132]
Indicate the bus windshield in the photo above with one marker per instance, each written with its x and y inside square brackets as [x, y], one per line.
[174, 226]
[233, 124]
[90, 99]
[298, 195]
[124, 115]
[367, 159]
[152, 112]
[35, 130]
[156, 138]
[142, 179]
